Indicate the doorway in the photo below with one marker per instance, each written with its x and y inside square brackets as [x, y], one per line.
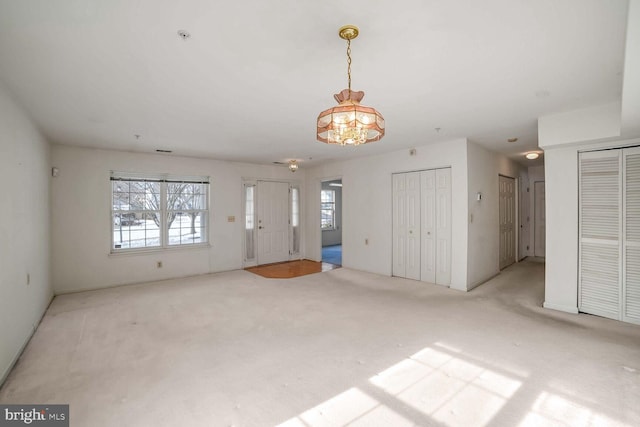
[331, 221]
[507, 207]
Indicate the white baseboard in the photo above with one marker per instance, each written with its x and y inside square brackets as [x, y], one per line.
[559, 307]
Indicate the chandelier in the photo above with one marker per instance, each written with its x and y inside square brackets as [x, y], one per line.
[350, 123]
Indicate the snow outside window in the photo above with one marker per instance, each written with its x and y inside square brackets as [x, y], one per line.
[158, 211]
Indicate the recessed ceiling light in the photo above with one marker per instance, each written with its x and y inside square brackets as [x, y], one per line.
[532, 156]
[183, 34]
[512, 139]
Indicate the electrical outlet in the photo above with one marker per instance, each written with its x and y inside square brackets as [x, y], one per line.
[159, 264]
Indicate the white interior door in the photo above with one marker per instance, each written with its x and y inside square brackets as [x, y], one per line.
[600, 230]
[443, 226]
[507, 202]
[273, 222]
[539, 219]
[428, 226]
[631, 233]
[399, 225]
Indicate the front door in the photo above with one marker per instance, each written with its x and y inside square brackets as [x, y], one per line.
[273, 222]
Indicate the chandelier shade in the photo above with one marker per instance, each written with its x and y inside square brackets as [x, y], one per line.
[350, 123]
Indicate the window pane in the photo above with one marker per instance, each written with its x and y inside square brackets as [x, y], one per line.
[186, 228]
[295, 208]
[295, 219]
[177, 196]
[249, 222]
[135, 230]
[326, 218]
[327, 196]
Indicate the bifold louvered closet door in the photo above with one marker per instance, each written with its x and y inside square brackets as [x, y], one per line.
[609, 279]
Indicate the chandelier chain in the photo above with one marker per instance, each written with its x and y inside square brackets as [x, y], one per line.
[349, 63]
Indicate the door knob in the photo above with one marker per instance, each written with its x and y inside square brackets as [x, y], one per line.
[260, 227]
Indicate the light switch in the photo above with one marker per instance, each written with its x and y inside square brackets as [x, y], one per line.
[231, 218]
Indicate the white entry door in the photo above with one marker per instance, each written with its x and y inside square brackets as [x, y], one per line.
[273, 222]
[507, 203]
[539, 219]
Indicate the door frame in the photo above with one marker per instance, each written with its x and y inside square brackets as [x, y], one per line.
[318, 219]
[252, 262]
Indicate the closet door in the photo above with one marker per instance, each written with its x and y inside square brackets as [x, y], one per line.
[428, 226]
[399, 225]
[631, 233]
[443, 226]
[413, 226]
[406, 225]
[600, 230]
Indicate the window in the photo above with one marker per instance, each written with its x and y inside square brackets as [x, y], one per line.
[158, 211]
[295, 220]
[249, 221]
[327, 209]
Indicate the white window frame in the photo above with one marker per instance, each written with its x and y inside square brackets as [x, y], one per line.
[333, 210]
[163, 211]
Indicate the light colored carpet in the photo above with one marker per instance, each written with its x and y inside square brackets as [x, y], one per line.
[335, 348]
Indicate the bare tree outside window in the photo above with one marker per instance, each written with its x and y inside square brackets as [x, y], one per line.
[139, 207]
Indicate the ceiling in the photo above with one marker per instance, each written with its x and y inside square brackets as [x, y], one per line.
[250, 81]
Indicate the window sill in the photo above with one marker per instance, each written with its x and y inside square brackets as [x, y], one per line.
[148, 251]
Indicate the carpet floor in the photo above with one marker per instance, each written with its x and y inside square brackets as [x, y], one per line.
[332, 254]
[329, 349]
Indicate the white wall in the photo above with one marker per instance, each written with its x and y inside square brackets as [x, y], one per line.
[536, 174]
[578, 126]
[81, 218]
[484, 228]
[24, 230]
[334, 237]
[631, 84]
[367, 215]
[561, 186]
